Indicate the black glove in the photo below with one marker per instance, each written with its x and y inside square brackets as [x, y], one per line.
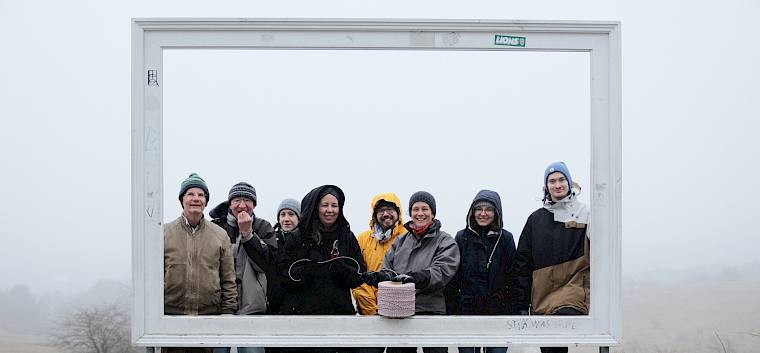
[309, 268]
[421, 278]
[373, 278]
[303, 270]
[403, 278]
[344, 271]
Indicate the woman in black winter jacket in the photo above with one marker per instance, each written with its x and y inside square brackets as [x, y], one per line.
[486, 267]
[321, 262]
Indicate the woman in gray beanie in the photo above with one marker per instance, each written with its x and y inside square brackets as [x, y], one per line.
[425, 256]
[288, 217]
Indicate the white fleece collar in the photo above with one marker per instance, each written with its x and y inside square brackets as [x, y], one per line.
[570, 211]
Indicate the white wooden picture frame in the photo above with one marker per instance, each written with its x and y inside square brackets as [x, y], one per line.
[601, 40]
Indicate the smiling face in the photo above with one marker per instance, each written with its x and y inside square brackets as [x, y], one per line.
[557, 185]
[288, 220]
[193, 202]
[422, 214]
[328, 210]
[484, 214]
[386, 217]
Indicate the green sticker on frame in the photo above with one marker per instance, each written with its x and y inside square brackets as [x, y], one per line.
[510, 41]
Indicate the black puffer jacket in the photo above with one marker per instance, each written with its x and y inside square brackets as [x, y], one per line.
[486, 268]
[312, 288]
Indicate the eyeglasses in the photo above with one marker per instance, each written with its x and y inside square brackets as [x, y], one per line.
[239, 200]
[386, 210]
[484, 209]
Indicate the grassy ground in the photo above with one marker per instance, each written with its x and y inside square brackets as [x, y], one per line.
[11, 342]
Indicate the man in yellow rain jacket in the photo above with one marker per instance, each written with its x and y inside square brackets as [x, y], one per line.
[385, 226]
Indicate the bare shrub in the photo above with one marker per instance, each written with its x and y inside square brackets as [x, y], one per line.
[97, 329]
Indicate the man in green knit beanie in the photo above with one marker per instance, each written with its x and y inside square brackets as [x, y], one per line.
[205, 285]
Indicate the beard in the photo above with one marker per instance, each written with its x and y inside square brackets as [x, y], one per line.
[387, 222]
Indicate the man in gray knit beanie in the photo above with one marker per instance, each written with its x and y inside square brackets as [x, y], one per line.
[253, 246]
[242, 189]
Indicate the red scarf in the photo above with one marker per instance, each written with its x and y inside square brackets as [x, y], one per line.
[422, 230]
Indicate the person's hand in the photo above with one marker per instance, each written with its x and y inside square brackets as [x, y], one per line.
[303, 270]
[245, 223]
[310, 268]
[374, 278]
[344, 270]
[421, 278]
[403, 278]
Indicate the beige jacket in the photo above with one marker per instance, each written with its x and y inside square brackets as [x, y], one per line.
[199, 270]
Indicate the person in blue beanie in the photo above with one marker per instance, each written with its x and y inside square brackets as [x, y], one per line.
[553, 271]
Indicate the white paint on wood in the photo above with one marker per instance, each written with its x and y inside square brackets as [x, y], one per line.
[151, 328]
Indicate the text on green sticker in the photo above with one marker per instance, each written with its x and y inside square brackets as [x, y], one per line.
[510, 41]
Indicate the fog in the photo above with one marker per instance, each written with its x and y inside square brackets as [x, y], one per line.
[451, 123]
[689, 127]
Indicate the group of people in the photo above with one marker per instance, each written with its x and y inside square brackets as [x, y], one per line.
[311, 263]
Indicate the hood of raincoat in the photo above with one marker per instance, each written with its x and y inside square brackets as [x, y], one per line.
[389, 197]
[493, 198]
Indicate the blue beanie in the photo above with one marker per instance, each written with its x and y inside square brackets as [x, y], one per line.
[558, 167]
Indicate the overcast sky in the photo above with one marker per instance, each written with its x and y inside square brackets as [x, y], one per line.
[690, 121]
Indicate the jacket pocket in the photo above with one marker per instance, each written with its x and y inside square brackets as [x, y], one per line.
[209, 289]
[175, 287]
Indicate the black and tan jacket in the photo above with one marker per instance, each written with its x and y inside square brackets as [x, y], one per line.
[199, 271]
[552, 265]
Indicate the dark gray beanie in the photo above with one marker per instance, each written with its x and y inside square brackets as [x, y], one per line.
[193, 181]
[289, 204]
[242, 189]
[422, 196]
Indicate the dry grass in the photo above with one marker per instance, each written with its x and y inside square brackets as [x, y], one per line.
[23, 343]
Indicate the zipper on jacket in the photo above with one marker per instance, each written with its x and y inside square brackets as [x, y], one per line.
[191, 250]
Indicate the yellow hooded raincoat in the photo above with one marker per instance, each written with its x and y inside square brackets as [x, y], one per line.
[374, 252]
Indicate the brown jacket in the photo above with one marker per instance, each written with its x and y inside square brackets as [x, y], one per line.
[199, 270]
